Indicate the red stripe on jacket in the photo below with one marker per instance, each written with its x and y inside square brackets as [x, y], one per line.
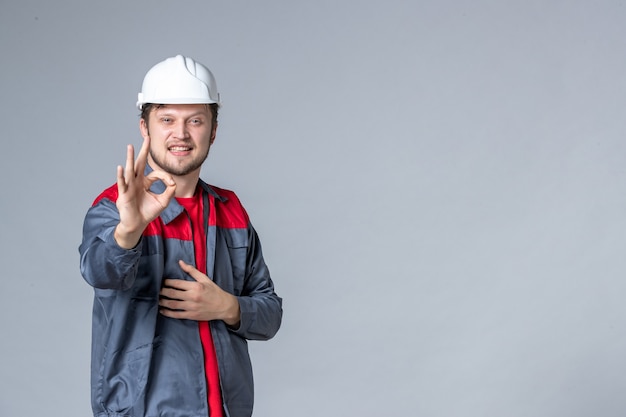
[228, 214]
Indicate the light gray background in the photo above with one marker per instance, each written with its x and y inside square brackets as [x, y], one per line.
[438, 185]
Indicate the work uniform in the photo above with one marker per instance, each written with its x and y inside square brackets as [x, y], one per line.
[146, 364]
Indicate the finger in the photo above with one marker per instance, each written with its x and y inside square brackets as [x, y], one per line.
[193, 272]
[157, 175]
[179, 310]
[142, 157]
[121, 181]
[129, 172]
[170, 293]
[186, 267]
[172, 304]
[170, 286]
[175, 314]
[166, 196]
[170, 190]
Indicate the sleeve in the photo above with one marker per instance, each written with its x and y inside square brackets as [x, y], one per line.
[103, 263]
[261, 308]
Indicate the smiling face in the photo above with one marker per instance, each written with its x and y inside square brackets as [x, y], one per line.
[180, 137]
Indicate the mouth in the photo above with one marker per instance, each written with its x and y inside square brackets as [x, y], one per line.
[179, 149]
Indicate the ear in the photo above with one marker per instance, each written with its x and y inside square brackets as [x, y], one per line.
[213, 133]
[143, 128]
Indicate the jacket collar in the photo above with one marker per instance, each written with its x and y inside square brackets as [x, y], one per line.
[174, 209]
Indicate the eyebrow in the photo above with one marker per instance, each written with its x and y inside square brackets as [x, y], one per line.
[164, 112]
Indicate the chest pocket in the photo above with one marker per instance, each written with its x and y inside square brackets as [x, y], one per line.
[231, 262]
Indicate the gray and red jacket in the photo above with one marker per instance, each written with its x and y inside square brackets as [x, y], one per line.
[145, 364]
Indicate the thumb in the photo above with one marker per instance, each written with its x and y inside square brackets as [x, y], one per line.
[168, 181]
[193, 272]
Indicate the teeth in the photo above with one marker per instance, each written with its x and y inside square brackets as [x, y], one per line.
[179, 148]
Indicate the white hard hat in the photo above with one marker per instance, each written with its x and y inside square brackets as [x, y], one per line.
[178, 80]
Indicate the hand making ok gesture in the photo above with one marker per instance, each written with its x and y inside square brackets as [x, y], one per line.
[137, 205]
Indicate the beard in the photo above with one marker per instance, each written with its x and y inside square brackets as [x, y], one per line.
[179, 169]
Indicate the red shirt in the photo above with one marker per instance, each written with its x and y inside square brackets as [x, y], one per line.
[194, 207]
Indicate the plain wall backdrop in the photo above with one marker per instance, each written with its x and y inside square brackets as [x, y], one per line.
[439, 187]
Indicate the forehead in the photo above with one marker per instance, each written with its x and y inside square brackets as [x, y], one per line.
[182, 110]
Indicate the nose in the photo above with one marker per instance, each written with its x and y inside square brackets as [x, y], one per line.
[180, 130]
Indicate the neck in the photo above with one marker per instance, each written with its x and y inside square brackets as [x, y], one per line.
[186, 185]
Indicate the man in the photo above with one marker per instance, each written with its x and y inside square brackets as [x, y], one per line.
[177, 269]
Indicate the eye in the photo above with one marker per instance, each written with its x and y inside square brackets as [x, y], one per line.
[195, 121]
[166, 119]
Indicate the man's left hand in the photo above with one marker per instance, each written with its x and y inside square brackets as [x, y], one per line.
[200, 300]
